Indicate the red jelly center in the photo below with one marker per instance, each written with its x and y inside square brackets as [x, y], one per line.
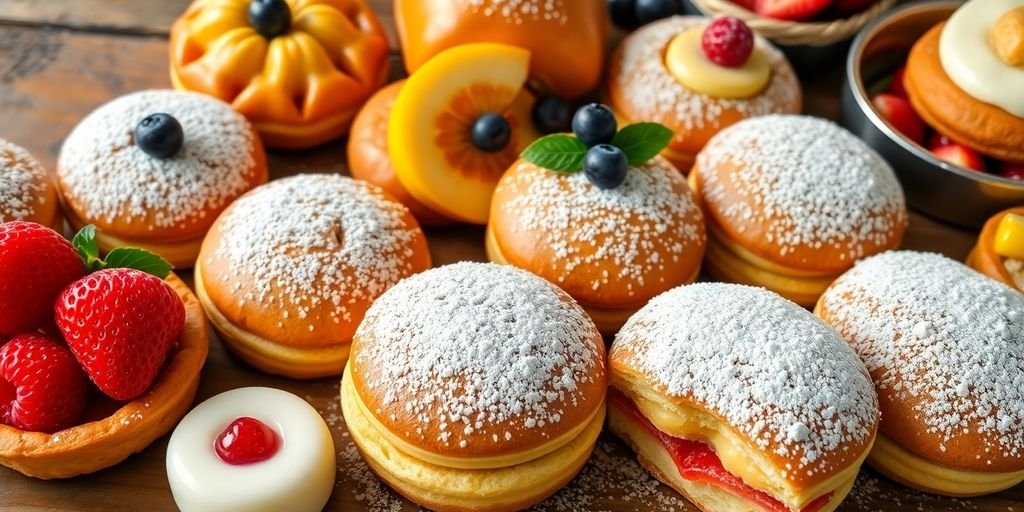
[696, 461]
[245, 441]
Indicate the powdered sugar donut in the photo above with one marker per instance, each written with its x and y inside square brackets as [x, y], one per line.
[287, 271]
[792, 201]
[612, 250]
[475, 387]
[741, 400]
[145, 182]
[26, 192]
[945, 346]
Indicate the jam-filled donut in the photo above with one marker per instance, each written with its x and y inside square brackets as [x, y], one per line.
[153, 169]
[611, 249]
[252, 449]
[741, 400]
[475, 387]
[26, 192]
[792, 201]
[288, 270]
[945, 347]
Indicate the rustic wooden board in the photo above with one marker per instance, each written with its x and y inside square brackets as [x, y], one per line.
[60, 59]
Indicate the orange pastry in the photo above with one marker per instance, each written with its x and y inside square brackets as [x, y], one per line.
[662, 73]
[26, 191]
[153, 169]
[944, 347]
[289, 269]
[368, 157]
[565, 37]
[475, 387]
[741, 400]
[792, 201]
[299, 70]
[964, 87]
[115, 430]
[999, 252]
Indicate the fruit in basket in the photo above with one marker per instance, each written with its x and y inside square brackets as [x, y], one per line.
[958, 154]
[42, 389]
[791, 10]
[434, 117]
[901, 115]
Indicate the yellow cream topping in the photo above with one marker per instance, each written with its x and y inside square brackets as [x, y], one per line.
[1009, 242]
[686, 61]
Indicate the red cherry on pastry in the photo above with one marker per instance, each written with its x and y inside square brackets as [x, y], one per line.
[728, 42]
[245, 441]
[898, 112]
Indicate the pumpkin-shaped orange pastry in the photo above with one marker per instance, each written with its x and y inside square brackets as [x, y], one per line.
[566, 37]
[298, 69]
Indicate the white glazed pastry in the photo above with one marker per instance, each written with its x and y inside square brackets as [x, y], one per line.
[280, 457]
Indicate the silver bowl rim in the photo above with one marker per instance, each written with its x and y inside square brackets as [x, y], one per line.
[856, 83]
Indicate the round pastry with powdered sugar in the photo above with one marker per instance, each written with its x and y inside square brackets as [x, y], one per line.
[741, 400]
[475, 386]
[792, 201]
[611, 249]
[153, 169]
[646, 82]
[945, 346]
[288, 271]
[26, 192]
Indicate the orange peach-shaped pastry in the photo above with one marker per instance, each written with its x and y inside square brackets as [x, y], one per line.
[153, 169]
[288, 271]
[741, 400]
[26, 191]
[475, 387]
[945, 348]
[697, 77]
[368, 157]
[965, 77]
[999, 252]
[458, 123]
[565, 37]
[792, 201]
[299, 70]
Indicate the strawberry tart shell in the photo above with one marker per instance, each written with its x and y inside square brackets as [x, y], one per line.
[105, 442]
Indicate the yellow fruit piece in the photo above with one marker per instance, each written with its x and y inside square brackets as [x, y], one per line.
[429, 131]
[1007, 37]
[1009, 241]
[686, 61]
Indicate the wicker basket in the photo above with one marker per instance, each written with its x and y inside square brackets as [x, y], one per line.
[794, 33]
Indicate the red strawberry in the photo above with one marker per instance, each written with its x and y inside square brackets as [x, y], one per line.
[898, 112]
[961, 155]
[120, 323]
[1011, 171]
[897, 86]
[746, 4]
[793, 10]
[938, 140]
[36, 263]
[42, 389]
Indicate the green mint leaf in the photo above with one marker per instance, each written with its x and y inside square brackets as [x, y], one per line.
[558, 152]
[642, 141]
[138, 259]
[88, 249]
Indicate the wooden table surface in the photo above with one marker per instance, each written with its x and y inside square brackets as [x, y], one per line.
[59, 59]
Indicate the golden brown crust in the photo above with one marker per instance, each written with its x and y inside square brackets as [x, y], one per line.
[984, 258]
[30, 194]
[103, 443]
[956, 114]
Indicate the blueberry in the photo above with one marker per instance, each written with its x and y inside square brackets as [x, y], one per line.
[623, 13]
[653, 10]
[552, 114]
[594, 124]
[159, 135]
[605, 166]
[271, 18]
[491, 133]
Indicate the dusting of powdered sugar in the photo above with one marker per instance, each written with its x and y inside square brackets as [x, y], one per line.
[773, 371]
[314, 239]
[640, 226]
[477, 351]
[654, 94]
[933, 329]
[21, 182]
[106, 176]
[805, 182]
[519, 11]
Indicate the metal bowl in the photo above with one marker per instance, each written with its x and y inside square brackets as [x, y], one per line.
[940, 189]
